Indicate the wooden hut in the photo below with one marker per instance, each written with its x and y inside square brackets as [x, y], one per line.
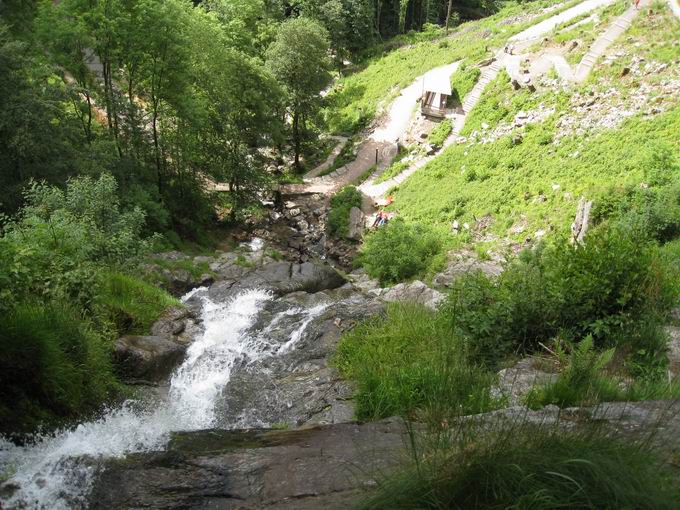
[436, 92]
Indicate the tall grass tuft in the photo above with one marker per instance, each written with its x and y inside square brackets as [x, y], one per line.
[52, 365]
[131, 304]
[529, 466]
[409, 363]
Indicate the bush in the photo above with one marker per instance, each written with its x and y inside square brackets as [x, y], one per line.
[463, 81]
[341, 204]
[531, 467]
[399, 251]
[604, 288]
[52, 366]
[55, 245]
[410, 364]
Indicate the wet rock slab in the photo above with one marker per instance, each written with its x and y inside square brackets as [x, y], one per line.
[297, 385]
[329, 467]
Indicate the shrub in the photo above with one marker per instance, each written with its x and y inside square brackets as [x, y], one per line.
[55, 245]
[399, 251]
[581, 383]
[52, 366]
[530, 467]
[341, 204]
[603, 288]
[410, 364]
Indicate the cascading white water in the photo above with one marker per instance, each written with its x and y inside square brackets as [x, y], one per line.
[48, 473]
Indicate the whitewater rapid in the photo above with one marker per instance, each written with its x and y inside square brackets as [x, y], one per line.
[51, 474]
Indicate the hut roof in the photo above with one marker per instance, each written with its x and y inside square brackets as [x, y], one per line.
[437, 81]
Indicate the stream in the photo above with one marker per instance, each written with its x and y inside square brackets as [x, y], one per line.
[58, 471]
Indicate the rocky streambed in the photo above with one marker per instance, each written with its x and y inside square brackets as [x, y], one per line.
[238, 403]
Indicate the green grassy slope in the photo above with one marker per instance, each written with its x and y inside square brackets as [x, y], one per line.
[356, 98]
[537, 181]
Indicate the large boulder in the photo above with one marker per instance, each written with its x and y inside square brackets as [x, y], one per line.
[147, 358]
[414, 292]
[515, 382]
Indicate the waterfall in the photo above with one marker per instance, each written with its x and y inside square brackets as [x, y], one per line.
[50, 473]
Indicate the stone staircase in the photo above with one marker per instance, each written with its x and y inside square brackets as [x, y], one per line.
[489, 74]
[615, 29]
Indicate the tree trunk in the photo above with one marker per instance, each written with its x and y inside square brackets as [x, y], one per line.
[296, 140]
[448, 17]
[582, 220]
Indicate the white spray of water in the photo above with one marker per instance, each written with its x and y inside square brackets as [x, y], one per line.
[295, 337]
[49, 475]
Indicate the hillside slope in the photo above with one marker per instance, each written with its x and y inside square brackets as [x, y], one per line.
[526, 158]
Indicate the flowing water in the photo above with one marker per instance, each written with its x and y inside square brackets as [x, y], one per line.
[51, 473]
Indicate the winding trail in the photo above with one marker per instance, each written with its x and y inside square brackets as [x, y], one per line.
[502, 60]
[380, 148]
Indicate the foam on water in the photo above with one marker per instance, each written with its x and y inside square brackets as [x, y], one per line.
[49, 473]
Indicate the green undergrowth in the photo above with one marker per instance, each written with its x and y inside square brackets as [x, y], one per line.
[440, 133]
[346, 155]
[409, 363]
[587, 378]
[612, 294]
[154, 273]
[398, 164]
[463, 81]
[131, 304]
[652, 34]
[534, 184]
[528, 466]
[54, 365]
[400, 251]
[356, 98]
[341, 205]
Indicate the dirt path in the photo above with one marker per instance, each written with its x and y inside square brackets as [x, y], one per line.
[380, 148]
[341, 141]
[675, 7]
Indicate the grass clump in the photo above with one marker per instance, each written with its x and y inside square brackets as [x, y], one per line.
[341, 204]
[582, 382]
[346, 155]
[463, 81]
[530, 467]
[398, 165]
[440, 133]
[129, 303]
[53, 365]
[399, 251]
[409, 363]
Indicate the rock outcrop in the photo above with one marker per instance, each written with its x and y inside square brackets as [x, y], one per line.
[414, 292]
[148, 359]
[322, 467]
[331, 467]
[278, 277]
